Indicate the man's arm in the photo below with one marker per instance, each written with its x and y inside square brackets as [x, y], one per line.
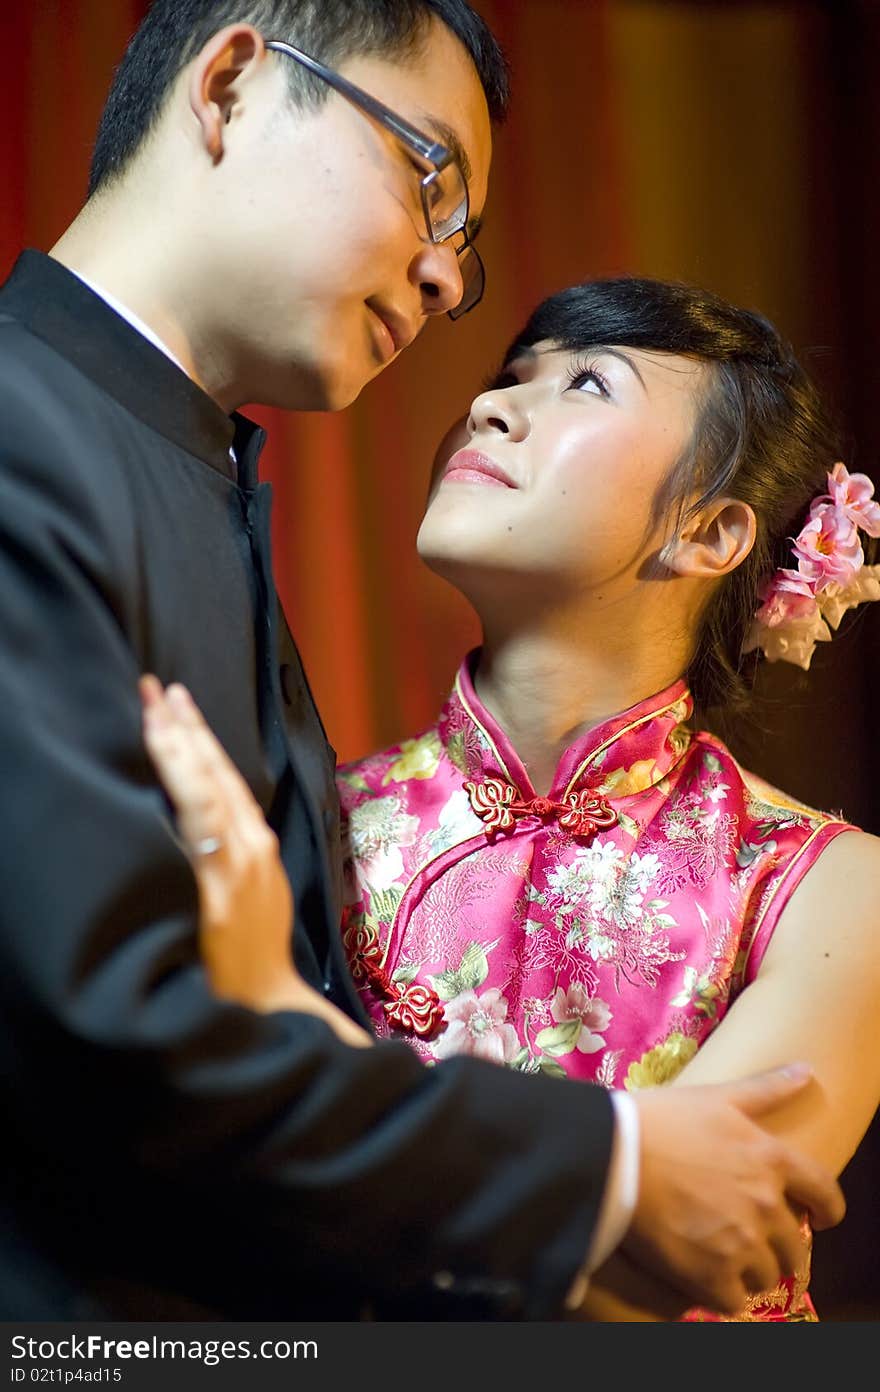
[358, 1169]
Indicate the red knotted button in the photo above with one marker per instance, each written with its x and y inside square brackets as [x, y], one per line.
[499, 805]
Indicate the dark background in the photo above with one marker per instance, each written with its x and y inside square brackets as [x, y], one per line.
[734, 145]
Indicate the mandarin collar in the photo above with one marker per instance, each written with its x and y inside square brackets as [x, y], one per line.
[626, 754]
[56, 306]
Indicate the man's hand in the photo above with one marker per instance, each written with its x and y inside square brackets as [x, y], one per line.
[720, 1199]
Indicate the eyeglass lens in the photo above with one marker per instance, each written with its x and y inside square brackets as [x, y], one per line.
[446, 206]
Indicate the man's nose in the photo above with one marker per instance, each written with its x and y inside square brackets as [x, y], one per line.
[436, 271]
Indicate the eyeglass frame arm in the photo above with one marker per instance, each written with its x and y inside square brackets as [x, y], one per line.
[433, 151]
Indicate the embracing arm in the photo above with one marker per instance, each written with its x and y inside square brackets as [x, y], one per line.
[714, 1241]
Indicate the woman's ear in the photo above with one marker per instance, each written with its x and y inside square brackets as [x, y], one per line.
[215, 72]
[714, 542]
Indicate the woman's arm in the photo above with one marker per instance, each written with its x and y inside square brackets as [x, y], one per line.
[814, 998]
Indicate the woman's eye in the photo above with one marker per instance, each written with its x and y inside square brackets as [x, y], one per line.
[590, 381]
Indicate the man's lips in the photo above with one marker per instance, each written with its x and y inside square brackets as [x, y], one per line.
[472, 466]
[395, 332]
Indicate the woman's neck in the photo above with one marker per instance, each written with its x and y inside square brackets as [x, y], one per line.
[546, 688]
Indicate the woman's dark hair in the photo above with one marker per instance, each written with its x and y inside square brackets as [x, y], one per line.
[763, 436]
[174, 31]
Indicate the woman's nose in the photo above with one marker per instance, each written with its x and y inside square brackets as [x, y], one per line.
[499, 411]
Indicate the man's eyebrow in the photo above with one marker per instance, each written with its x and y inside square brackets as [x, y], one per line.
[460, 155]
[451, 140]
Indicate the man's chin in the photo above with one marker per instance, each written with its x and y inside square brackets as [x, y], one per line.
[311, 391]
[334, 391]
[315, 386]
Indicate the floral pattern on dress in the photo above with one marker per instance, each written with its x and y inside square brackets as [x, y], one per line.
[603, 955]
[478, 1025]
[378, 829]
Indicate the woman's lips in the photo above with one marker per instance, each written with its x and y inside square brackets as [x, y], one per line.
[472, 466]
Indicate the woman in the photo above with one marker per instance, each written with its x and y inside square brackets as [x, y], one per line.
[567, 872]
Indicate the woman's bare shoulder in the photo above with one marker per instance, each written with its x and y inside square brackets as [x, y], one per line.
[837, 901]
[846, 861]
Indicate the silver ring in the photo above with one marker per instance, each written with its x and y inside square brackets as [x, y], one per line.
[207, 846]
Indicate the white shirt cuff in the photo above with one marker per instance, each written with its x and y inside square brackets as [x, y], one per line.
[620, 1196]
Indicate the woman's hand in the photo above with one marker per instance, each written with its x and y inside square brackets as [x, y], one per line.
[245, 902]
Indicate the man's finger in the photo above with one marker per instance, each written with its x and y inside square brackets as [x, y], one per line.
[764, 1092]
[809, 1186]
[791, 1243]
[763, 1272]
[623, 1280]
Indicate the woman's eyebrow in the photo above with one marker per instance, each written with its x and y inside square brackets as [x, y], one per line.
[524, 355]
[624, 358]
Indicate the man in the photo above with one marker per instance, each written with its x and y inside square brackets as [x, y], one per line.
[257, 229]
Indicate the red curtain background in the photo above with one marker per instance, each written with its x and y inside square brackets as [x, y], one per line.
[730, 144]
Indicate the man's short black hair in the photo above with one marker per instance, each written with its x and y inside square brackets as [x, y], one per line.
[174, 31]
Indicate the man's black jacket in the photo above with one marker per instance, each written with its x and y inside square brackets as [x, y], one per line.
[168, 1155]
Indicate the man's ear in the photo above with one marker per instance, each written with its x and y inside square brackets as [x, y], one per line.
[213, 77]
[714, 542]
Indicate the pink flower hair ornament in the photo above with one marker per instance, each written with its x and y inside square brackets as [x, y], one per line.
[800, 607]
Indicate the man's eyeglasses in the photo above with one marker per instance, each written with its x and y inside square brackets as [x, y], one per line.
[444, 192]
